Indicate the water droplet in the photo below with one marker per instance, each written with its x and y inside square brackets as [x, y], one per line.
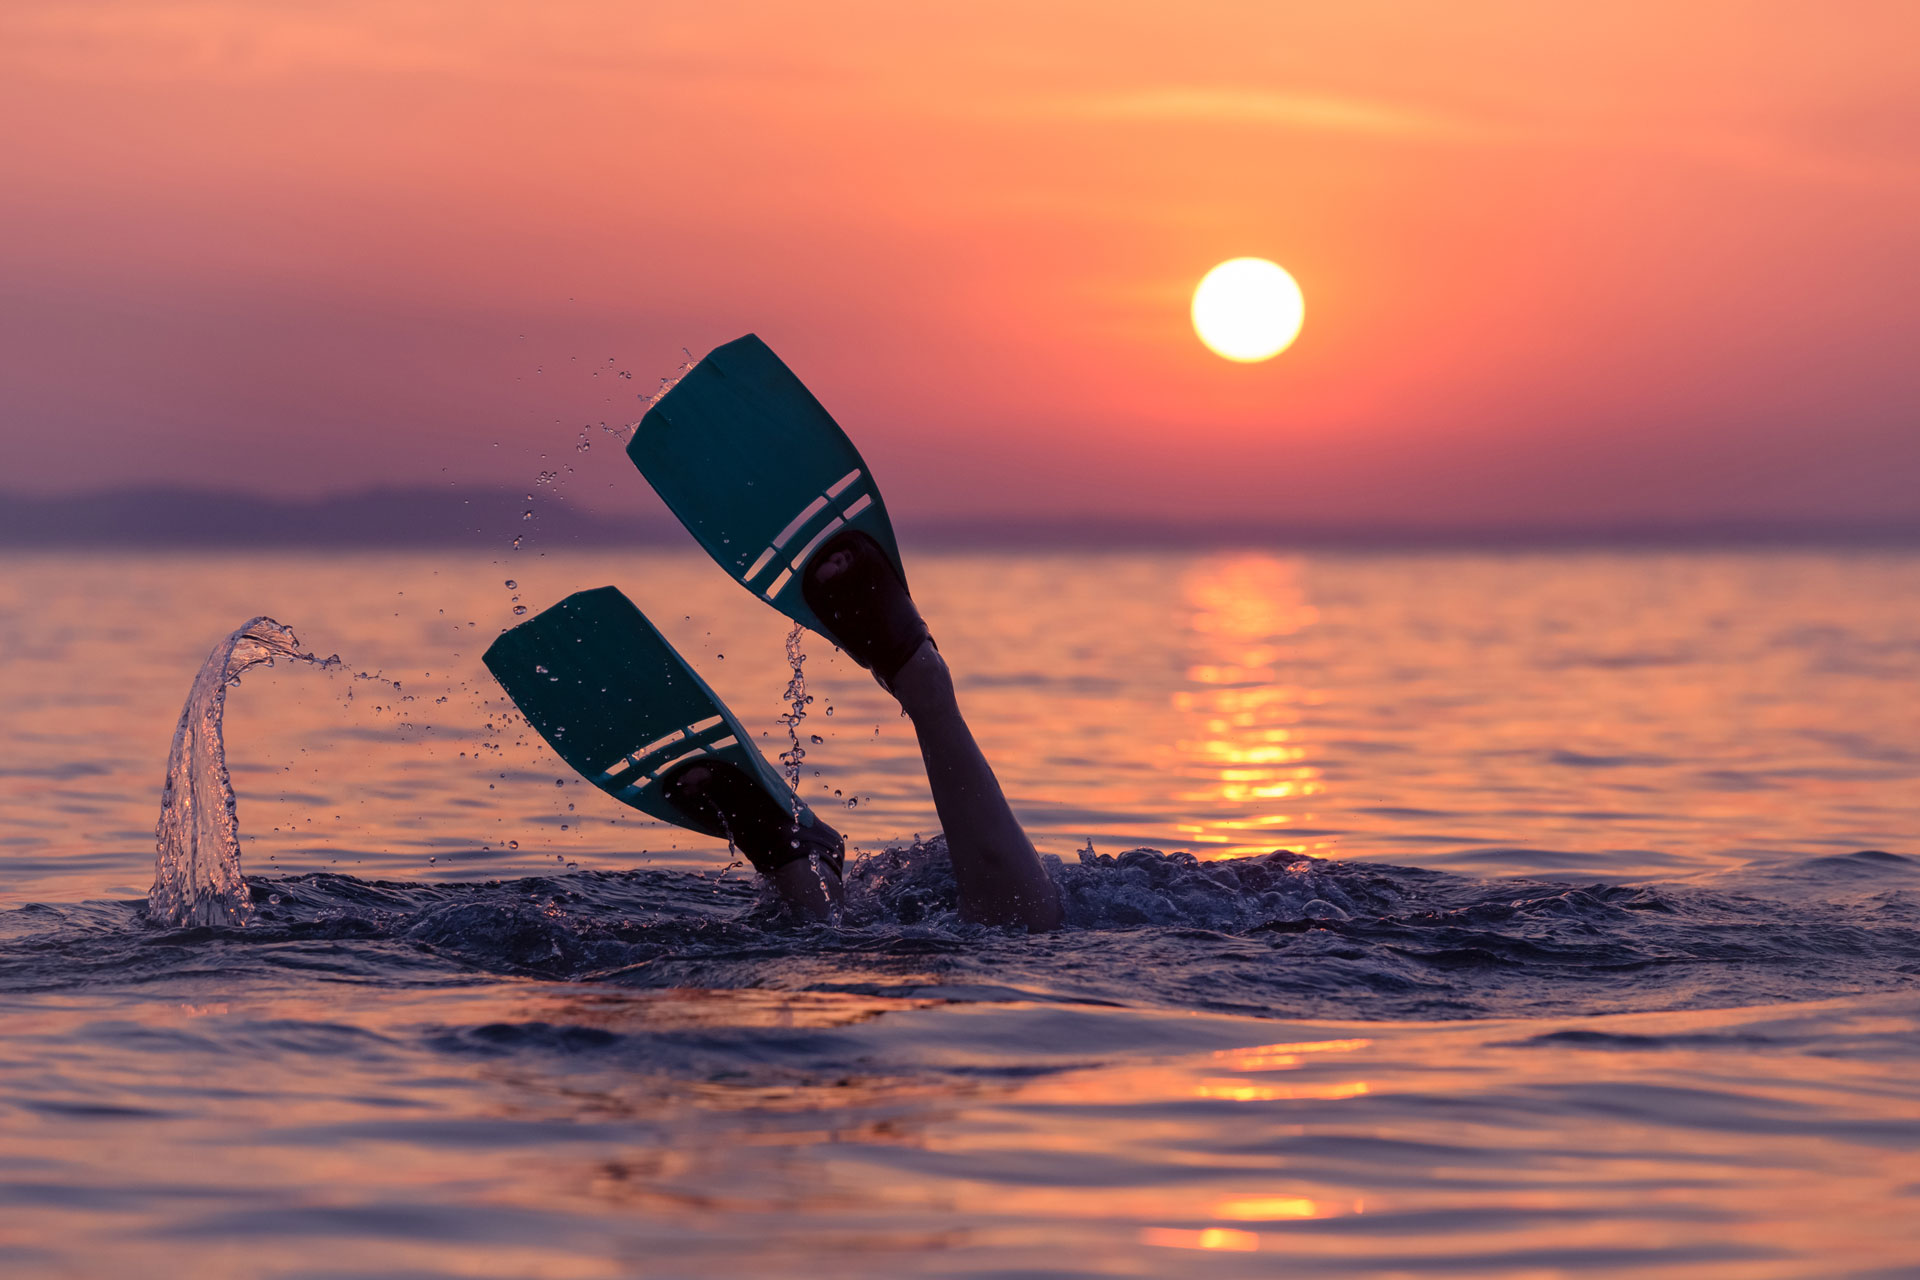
[513, 844]
[274, 898]
[853, 802]
[519, 609]
[817, 739]
[512, 585]
[559, 782]
[432, 858]
[539, 668]
[527, 514]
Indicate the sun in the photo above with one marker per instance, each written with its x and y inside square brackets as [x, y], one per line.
[1248, 309]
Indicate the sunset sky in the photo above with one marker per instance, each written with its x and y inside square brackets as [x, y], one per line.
[1616, 262]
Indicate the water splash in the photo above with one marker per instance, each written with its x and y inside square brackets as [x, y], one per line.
[797, 700]
[196, 869]
[672, 380]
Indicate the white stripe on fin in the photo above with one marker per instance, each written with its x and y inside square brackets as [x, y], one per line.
[766, 558]
[794, 526]
[800, 560]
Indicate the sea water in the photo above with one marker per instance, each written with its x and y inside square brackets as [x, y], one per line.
[1525, 915]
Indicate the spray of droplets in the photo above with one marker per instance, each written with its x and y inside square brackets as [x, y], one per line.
[796, 699]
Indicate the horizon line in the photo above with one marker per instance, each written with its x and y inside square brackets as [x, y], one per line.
[185, 517]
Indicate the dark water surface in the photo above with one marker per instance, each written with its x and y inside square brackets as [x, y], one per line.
[1593, 947]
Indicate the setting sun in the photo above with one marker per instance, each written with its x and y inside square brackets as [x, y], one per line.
[1248, 309]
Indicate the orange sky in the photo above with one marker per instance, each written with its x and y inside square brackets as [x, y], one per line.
[1596, 262]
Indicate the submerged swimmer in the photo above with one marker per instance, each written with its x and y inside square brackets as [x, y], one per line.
[737, 449]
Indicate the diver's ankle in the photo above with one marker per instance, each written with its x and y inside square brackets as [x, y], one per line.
[811, 889]
[924, 683]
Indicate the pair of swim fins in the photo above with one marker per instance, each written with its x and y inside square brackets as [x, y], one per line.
[762, 476]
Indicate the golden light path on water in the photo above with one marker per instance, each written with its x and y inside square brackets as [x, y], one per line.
[1246, 705]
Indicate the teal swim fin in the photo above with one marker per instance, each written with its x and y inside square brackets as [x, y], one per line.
[759, 472]
[612, 697]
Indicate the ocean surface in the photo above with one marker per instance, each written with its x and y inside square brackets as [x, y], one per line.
[1527, 915]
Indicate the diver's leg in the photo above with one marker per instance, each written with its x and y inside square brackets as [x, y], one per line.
[995, 866]
[801, 861]
[856, 591]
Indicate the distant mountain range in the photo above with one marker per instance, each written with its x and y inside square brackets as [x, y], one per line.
[374, 518]
[480, 518]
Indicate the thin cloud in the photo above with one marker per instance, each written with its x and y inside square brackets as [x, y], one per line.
[1307, 112]
[1768, 152]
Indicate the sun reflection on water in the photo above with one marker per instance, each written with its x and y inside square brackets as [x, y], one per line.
[1281, 1057]
[1253, 776]
[1282, 1208]
[1224, 1238]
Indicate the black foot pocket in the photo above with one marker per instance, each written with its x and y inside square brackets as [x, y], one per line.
[727, 803]
[853, 587]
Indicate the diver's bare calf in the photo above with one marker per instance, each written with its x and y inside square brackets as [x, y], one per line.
[854, 588]
[995, 866]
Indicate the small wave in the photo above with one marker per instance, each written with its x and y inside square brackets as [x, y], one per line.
[1279, 935]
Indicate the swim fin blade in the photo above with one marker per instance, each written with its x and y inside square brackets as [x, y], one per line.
[758, 472]
[612, 697]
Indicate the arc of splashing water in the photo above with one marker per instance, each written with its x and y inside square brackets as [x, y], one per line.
[196, 869]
